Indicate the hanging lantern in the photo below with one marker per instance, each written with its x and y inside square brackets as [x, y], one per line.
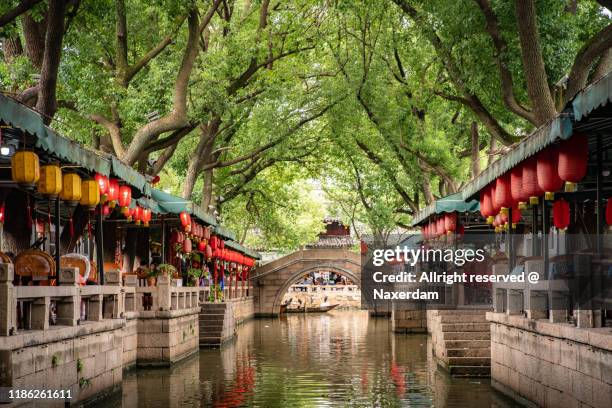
[106, 210]
[1, 213]
[71, 189]
[137, 216]
[214, 242]
[50, 181]
[609, 211]
[503, 195]
[486, 204]
[531, 188]
[146, 216]
[516, 216]
[25, 168]
[185, 219]
[187, 246]
[561, 214]
[516, 187]
[201, 246]
[125, 197]
[90, 194]
[573, 158]
[113, 192]
[548, 176]
[208, 252]
[102, 185]
[450, 222]
[221, 244]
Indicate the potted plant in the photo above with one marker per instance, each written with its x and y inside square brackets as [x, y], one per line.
[193, 275]
[162, 269]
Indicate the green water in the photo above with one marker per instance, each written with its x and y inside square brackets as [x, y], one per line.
[336, 359]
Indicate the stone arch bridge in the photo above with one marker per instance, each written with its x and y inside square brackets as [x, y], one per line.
[272, 280]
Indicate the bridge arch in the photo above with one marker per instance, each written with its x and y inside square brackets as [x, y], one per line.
[272, 280]
[297, 275]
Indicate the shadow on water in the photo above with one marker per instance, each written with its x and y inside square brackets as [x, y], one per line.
[336, 359]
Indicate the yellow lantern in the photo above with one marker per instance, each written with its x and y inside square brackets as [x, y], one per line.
[25, 168]
[71, 189]
[50, 182]
[90, 193]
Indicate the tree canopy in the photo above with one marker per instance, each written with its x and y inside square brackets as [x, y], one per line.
[274, 114]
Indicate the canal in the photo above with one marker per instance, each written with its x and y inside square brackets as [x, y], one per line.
[343, 358]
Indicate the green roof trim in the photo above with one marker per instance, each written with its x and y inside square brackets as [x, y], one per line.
[448, 204]
[240, 248]
[130, 176]
[225, 233]
[592, 97]
[175, 205]
[26, 119]
[559, 128]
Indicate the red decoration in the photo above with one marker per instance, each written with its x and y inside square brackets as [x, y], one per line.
[187, 246]
[155, 180]
[531, 187]
[201, 246]
[113, 190]
[105, 210]
[548, 177]
[102, 183]
[609, 211]
[461, 230]
[516, 186]
[208, 252]
[125, 196]
[503, 195]
[486, 204]
[214, 242]
[516, 215]
[494, 205]
[450, 222]
[2, 213]
[561, 214]
[573, 158]
[146, 216]
[221, 244]
[137, 215]
[185, 219]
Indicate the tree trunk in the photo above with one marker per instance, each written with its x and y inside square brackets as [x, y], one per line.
[34, 34]
[47, 102]
[200, 156]
[475, 156]
[533, 62]
[604, 65]
[492, 148]
[207, 191]
[12, 48]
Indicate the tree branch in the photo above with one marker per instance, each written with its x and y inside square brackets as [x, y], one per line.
[22, 7]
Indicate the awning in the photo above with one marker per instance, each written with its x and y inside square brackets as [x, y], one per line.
[237, 247]
[592, 97]
[448, 204]
[558, 128]
[175, 205]
[130, 176]
[26, 119]
[225, 233]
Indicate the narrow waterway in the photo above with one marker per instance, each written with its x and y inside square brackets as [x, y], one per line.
[331, 360]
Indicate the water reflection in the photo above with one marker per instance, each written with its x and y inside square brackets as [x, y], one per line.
[336, 359]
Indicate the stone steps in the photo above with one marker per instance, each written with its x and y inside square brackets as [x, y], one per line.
[472, 335]
[465, 327]
[470, 361]
[470, 318]
[210, 341]
[469, 371]
[461, 344]
[461, 312]
[468, 352]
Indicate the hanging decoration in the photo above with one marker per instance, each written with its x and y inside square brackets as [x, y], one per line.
[125, 199]
[25, 168]
[516, 187]
[113, 192]
[102, 186]
[531, 188]
[450, 222]
[516, 216]
[146, 216]
[503, 195]
[2, 214]
[50, 181]
[90, 194]
[548, 176]
[71, 189]
[486, 205]
[137, 216]
[561, 214]
[573, 158]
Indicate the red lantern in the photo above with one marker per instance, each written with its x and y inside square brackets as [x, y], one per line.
[105, 210]
[516, 216]
[503, 195]
[214, 242]
[208, 252]
[2, 213]
[113, 192]
[201, 246]
[516, 187]
[185, 219]
[548, 176]
[221, 244]
[486, 204]
[187, 246]
[137, 215]
[561, 214]
[125, 196]
[531, 187]
[146, 216]
[609, 211]
[573, 158]
[102, 183]
[450, 222]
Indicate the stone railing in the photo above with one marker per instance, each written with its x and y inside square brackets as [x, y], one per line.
[164, 296]
[323, 288]
[38, 307]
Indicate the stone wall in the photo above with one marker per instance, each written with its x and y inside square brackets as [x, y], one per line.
[409, 321]
[130, 342]
[87, 360]
[243, 309]
[551, 364]
[167, 337]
